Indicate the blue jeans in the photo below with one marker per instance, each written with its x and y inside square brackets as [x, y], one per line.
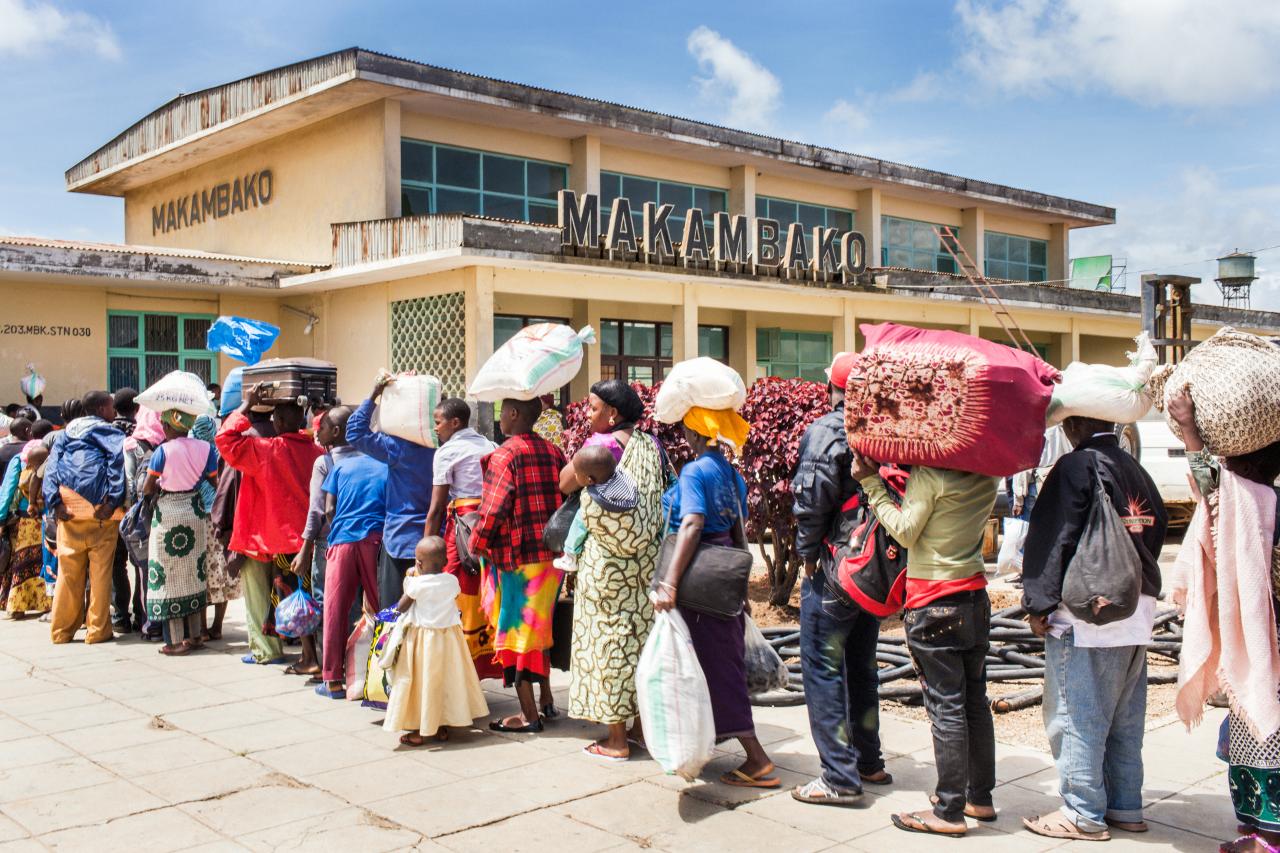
[841, 689]
[1095, 703]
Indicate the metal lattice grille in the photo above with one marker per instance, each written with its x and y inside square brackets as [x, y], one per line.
[429, 335]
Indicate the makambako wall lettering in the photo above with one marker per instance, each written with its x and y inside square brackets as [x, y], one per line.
[228, 198]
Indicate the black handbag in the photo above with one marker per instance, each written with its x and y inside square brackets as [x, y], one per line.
[714, 582]
[462, 527]
[561, 654]
[556, 531]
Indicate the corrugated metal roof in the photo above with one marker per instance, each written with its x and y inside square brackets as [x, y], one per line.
[129, 249]
[188, 115]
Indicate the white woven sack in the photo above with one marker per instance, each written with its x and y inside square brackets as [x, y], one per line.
[1104, 392]
[537, 360]
[675, 704]
[701, 382]
[407, 409]
[32, 384]
[179, 390]
[1234, 381]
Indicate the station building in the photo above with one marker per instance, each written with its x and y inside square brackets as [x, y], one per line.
[388, 213]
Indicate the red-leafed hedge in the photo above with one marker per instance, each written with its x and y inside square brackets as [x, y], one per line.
[779, 411]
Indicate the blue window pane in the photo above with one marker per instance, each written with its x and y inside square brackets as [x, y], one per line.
[544, 214]
[122, 331]
[503, 175]
[640, 190]
[841, 219]
[1017, 250]
[503, 207]
[458, 168]
[415, 161]
[609, 337]
[639, 339]
[711, 201]
[547, 179]
[414, 201]
[1037, 274]
[122, 372]
[1038, 252]
[762, 207]
[997, 246]
[456, 201]
[504, 327]
[678, 195]
[811, 216]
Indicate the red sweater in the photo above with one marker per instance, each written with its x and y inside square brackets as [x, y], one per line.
[275, 488]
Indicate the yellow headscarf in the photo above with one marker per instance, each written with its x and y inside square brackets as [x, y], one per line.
[719, 425]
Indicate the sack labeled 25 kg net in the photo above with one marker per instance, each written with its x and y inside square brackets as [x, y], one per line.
[1234, 381]
[947, 400]
[537, 360]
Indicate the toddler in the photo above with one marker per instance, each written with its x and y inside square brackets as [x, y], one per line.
[596, 468]
[433, 682]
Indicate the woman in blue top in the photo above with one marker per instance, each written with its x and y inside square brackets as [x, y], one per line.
[709, 504]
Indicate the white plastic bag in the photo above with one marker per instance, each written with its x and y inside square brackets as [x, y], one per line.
[1116, 394]
[32, 384]
[675, 705]
[701, 382]
[537, 360]
[765, 669]
[357, 662]
[407, 409]
[1014, 540]
[179, 390]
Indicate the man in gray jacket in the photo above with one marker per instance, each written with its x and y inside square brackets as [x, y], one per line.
[837, 642]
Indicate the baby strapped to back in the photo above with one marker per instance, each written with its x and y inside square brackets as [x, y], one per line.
[596, 467]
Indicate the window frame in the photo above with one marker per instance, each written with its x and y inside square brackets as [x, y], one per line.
[800, 365]
[1022, 267]
[140, 353]
[940, 253]
[619, 365]
[678, 216]
[769, 200]
[434, 186]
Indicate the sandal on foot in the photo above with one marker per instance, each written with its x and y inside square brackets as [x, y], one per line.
[1056, 825]
[819, 792]
[412, 740]
[175, 651]
[738, 779]
[1128, 826]
[880, 777]
[550, 712]
[292, 669]
[1258, 842]
[527, 728]
[323, 690]
[913, 822]
[596, 751]
[442, 734]
[970, 810]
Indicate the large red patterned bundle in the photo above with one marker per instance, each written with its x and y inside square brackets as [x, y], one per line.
[947, 400]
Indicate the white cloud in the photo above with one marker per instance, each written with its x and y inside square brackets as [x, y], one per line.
[749, 92]
[850, 117]
[29, 27]
[852, 127]
[1180, 228]
[1154, 52]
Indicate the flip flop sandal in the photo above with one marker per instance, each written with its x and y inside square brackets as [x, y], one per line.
[292, 669]
[991, 818]
[911, 823]
[442, 735]
[1056, 826]
[408, 740]
[835, 798]
[738, 779]
[593, 750]
[528, 728]
[323, 690]
[1123, 826]
[1267, 847]
[884, 777]
[175, 651]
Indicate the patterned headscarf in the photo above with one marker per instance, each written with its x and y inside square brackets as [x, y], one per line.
[204, 429]
[179, 420]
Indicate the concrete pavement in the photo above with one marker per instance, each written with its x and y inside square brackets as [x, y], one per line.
[115, 747]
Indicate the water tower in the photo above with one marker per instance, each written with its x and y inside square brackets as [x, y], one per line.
[1235, 278]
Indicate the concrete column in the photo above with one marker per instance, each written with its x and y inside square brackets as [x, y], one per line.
[749, 348]
[844, 330]
[391, 155]
[738, 345]
[478, 308]
[584, 165]
[868, 223]
[582, 382]
[973, 236]
[975, 323]
[593, 351]
[1073, 347]
[684, 326]
[1059, 253]
[742, 191]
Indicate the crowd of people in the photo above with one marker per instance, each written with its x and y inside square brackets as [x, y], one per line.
[274, 498]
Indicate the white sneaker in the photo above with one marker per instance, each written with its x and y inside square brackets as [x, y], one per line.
[566, 563]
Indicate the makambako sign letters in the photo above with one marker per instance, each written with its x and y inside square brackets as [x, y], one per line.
[751, 244]
[216, 202]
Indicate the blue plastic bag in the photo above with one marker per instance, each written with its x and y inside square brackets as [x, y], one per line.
[297, 615]
[241, 338]
[232, 390]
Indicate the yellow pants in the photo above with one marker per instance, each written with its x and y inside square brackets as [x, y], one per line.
[86, 549]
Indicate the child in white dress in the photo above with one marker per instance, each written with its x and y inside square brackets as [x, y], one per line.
[433, 681]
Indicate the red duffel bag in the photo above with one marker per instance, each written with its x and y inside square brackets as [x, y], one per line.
[947, 400]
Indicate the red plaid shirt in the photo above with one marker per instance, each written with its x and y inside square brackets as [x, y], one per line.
[521, 491]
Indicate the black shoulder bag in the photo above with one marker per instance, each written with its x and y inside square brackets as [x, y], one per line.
[714, 582]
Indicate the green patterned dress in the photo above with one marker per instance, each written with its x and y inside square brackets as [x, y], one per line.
[612, 613]
[176, 580]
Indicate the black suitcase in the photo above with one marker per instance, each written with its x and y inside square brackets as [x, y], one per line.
[305, 381]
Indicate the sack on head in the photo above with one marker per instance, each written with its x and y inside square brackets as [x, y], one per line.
[407, 409]
[702, 382]
[1116, 394]
[179, 390]
[537, 360]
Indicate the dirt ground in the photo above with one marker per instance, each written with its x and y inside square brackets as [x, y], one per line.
[1024, 727]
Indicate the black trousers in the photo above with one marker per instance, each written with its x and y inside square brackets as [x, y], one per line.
[122, 596]
[948, 640]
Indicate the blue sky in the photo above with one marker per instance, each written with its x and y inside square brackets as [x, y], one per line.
[1156, 107]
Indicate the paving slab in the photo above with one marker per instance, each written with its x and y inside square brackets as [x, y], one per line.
[348, 829]
[80, 807]
[157, 831]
